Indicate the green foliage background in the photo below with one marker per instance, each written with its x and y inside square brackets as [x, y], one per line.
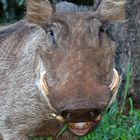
[11, 10]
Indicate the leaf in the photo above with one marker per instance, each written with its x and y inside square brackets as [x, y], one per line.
[62, 130]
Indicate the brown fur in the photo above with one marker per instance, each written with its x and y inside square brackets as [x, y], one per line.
[112, 9]
[38, 11]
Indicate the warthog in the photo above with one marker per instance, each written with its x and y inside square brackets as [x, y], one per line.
[57, 66]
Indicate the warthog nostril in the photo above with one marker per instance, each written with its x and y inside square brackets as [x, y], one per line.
[80, 115]
[69, 115]
[92, 114]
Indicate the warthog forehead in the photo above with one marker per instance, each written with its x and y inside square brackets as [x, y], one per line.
[79, 21]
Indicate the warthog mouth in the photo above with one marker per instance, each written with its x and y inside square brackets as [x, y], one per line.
[79, 128]
[82, 128]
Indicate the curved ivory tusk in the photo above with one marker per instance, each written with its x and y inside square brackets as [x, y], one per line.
[58, 118]
[114, 86]
[43, 84]
[116, 81]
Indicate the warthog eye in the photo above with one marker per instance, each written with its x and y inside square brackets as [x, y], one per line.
[50, 33]
[101, 29]
[51, 37]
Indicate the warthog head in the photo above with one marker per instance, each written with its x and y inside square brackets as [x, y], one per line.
[75, 68]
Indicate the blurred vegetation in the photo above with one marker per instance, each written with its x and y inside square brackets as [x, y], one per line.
[11, 10]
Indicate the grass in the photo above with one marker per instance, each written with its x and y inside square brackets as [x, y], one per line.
[114, 124]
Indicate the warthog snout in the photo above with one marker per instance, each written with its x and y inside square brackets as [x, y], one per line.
[80, 115]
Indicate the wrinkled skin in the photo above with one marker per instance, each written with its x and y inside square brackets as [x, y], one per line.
[78, 60]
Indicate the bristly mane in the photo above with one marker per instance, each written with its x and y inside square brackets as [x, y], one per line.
[70, 7]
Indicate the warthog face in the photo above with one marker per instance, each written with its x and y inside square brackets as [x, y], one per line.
[76, 63]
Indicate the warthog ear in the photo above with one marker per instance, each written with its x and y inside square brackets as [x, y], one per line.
[111, 10]
[39, 11]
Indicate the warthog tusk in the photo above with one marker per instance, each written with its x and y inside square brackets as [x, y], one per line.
[58, 118]
[45, 90]
[43, 84]
[116, 82]
[114, 86]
